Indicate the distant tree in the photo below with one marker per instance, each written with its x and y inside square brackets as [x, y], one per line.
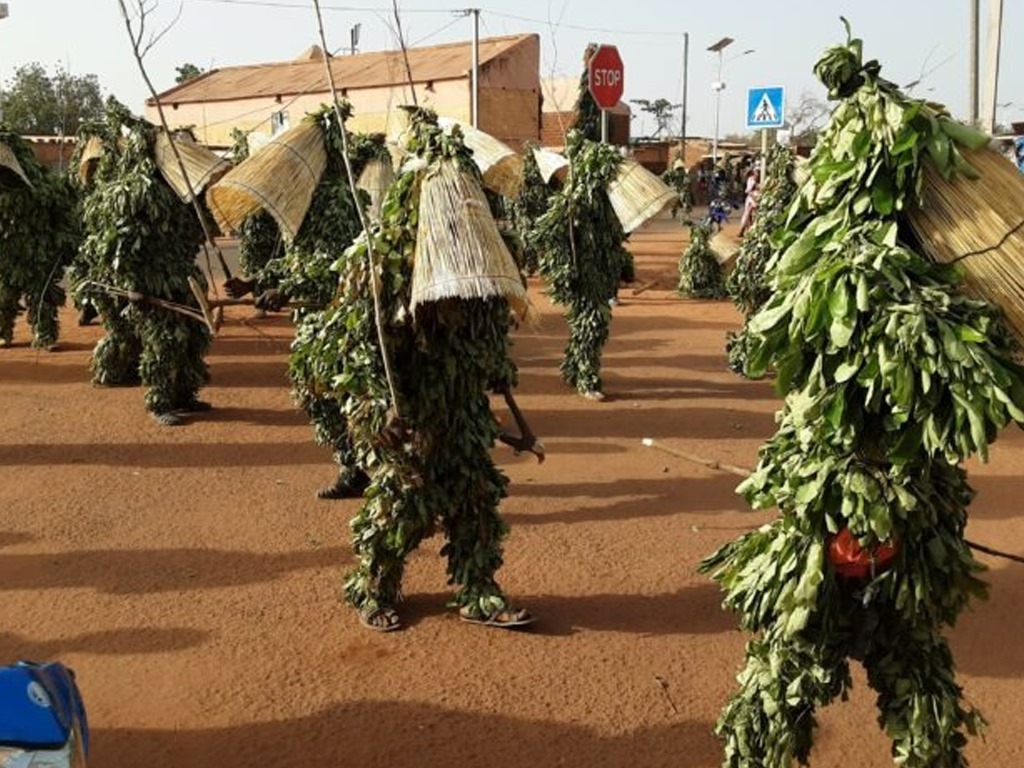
[807, 119]
[662, 111]
[187, 71]
[35, 102]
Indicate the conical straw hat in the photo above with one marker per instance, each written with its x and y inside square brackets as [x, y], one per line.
[550, 164]
[979, 224]
[459, 251]
[279, 178]
[375, 180]
[637, 195]
[395, 135]
[202, 165]
[9, 162]
[501, 167]
[91, 154]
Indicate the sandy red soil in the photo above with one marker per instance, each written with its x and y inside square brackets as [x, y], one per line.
[191, 579]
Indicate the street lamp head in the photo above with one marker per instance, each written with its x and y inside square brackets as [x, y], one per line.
[721, 44]
[3, 11]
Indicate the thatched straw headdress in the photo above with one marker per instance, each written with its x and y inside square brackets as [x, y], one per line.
[375, 180]
[9, 165]
[202, 166]
[550, 163]
[459, 251]
[637, 195]
[978, 223]
[279, 178]
[500, 166]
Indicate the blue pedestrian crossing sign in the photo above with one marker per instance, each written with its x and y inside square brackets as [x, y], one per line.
[765, 107]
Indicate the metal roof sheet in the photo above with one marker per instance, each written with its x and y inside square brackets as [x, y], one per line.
[363, 70]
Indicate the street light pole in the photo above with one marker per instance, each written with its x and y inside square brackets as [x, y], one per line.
[718, 86]
[3, 15]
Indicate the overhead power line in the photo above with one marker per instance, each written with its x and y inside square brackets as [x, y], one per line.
[498, 14]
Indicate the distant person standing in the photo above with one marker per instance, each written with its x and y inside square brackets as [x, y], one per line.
[753, 195]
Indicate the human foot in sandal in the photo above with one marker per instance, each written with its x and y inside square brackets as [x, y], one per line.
[380, 619]
[505, 618]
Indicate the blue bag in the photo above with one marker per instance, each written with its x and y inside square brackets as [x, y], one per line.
[40, 707]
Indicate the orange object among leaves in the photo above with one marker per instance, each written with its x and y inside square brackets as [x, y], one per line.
[850, 559]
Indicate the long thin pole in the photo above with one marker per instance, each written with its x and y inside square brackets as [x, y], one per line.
[718, 111]
[972, 64]
[995, 35]
[475, 78]
[686, 74]
[604, 126]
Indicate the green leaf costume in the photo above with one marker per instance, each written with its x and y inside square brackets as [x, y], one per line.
[892, 378]
[39, 236]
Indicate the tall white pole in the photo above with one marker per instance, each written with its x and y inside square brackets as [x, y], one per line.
[972, 65]
[718, 110]
[995, 34]
[3, 15]
[686, 66]
[475, 78]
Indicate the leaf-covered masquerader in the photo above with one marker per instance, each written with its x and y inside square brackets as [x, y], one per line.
[426, 445]
[892, 379]
[580, 245]
[748, 281]
[39, 236]
[141, 240]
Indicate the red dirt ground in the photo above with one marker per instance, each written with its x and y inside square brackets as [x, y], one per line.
[192, 581]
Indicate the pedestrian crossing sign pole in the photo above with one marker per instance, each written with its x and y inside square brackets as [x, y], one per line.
[766, 109]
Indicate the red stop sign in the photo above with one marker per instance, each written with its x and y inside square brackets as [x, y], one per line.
[604, 75]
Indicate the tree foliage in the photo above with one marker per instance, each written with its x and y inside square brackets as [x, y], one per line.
[37, 103]
[185, 72]
[663, 112]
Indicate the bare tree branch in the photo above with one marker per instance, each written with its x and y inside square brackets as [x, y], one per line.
[154, 39]
[144, 11]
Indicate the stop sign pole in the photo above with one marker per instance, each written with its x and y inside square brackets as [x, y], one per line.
[606, 82]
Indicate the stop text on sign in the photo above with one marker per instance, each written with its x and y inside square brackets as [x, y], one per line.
[609, 77]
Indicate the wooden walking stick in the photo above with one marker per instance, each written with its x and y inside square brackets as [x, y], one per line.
[211, 308]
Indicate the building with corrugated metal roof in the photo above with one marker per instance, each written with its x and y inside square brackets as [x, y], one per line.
[262, 99]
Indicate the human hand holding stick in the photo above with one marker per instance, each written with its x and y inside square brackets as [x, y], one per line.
[525, 440]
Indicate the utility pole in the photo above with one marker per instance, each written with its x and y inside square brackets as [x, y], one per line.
[718, 86]
[474, 99]
[995, 34]
[3, 15]
[972, 65]
[686, 74]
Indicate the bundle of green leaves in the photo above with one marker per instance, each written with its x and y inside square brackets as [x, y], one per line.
[580, 243]
[39, 236]
[892, 378]
[700, 274]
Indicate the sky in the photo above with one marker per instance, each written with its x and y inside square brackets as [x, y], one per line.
[776, 43]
